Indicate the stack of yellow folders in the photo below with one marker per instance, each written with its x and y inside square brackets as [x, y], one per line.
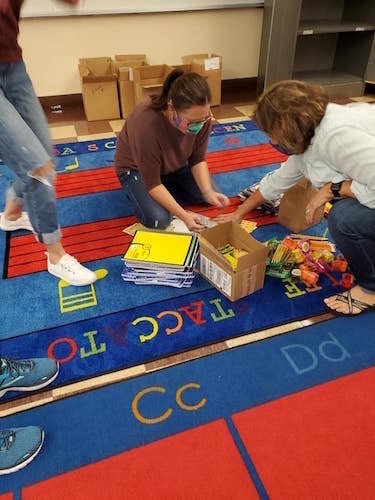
[161, 258]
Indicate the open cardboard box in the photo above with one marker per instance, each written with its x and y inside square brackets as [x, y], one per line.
[251, 268]
[292, 210]
[209, 66]
[149, 80]
[124, 64]
[99, 88]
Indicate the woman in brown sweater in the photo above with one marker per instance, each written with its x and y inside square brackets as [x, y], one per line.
[160, 156]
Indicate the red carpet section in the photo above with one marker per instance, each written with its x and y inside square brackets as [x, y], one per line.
[201, 463]
[315, 443]
[91, 241]
[105, 179]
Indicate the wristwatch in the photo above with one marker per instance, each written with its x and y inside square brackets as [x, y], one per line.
[335, 190]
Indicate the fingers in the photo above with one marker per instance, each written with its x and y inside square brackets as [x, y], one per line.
[225, 200]
[309, 214]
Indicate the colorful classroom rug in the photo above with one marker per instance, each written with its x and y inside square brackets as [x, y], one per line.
[289, 417]
[112, 324]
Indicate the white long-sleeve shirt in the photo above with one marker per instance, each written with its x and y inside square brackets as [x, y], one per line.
[343, 148]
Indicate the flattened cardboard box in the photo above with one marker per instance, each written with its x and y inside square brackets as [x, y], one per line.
[125, 63]
[292, 210]
[251, 268]
[209, 66]
[99, 88]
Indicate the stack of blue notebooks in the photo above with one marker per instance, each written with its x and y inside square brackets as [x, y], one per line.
[161, 258]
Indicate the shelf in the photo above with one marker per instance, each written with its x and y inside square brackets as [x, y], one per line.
[318, 27]
[327, 77]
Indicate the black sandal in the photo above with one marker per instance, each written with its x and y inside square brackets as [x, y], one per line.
[347, 298]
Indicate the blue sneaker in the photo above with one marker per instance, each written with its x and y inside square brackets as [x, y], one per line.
[26, 374]
[18, 447]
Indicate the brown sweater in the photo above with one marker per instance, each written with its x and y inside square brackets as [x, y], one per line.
[10, 51]
[150, 144]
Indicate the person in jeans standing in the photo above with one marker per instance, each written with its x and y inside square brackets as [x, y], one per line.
[160, 154]
[334, 147]
[26, 148]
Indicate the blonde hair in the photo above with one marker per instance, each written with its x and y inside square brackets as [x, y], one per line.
[289, 111]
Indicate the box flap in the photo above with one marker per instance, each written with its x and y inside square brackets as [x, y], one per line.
[131, 57]
[231, 232]
[97, 71]
[208, 61]
[214, 254]
[88, 60]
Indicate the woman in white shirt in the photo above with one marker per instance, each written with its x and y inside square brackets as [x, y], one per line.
[334, 147]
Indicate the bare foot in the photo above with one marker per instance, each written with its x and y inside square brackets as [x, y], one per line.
[357, 294]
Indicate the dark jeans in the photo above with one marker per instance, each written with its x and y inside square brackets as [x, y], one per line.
[352, 226]
[180, 184]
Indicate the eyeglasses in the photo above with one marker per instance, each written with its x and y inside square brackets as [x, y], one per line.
[196, 122]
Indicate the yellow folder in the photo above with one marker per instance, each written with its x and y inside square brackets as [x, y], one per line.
[159, 247]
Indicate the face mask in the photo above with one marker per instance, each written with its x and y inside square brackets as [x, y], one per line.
[194, 128]
[183, 125]
[180, 123]
[280, 149]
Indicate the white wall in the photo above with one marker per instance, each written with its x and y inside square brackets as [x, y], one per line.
[52, 46]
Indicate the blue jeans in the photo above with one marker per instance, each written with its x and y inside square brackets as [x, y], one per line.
[25, 145]
[352, 226]
[180, 184]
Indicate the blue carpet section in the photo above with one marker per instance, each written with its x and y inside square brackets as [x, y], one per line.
[113, 204]
[103, 337]
[75, 155]
[87, 428]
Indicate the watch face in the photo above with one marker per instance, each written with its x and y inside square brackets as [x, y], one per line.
[335, 188]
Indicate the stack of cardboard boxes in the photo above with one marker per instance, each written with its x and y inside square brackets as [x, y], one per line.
[110, 86]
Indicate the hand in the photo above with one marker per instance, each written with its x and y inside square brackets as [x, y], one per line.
[193, 221]
[217, 199]
[233, 217]
[319, 199]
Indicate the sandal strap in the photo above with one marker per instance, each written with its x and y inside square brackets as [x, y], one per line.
[362, 306]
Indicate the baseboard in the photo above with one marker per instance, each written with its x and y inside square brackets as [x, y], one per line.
[53, 102]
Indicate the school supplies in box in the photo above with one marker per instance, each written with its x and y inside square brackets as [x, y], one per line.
[232, 254]
[161, 258]
[231, 260]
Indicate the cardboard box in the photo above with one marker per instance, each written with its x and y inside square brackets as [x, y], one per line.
[149, 80]
[209, 66]
[99, 88]
[292, 210]
[251, 268]
[125, 63]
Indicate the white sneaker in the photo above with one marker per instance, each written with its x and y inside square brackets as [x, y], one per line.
[22, 222]
[70, 270]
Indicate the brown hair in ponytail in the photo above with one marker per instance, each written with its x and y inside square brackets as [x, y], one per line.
[184, 90]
